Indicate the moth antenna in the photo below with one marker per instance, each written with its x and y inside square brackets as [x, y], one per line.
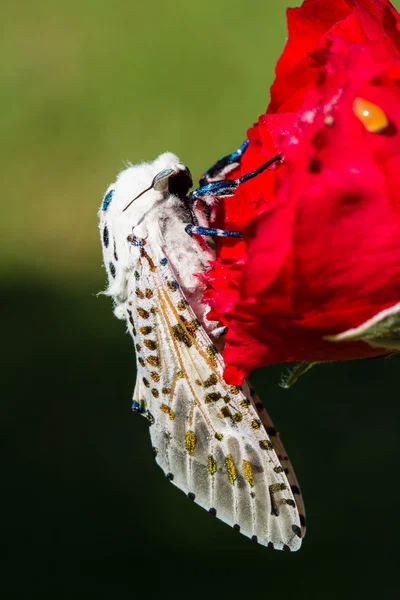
[138, 196]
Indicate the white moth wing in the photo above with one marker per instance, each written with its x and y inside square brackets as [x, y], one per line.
[207, 436]
[280, 452]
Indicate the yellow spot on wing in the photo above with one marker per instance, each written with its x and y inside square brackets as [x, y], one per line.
[212, 380]
[173, 286]
[181, 305]
[212, 465]
[231, 468]
[248, 472]
[224, 413]
[168, 411]
[145, 330]
[211, 352]
[266, 445]
[180, 334]
[190, 442]
[153, 361]
[274, 489]
[212, 397]
[150, 344]
[191, 326]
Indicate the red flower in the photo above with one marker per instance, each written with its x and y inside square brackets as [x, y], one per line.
[321, 249]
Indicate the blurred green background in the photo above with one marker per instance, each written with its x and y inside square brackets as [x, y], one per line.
[85, 511]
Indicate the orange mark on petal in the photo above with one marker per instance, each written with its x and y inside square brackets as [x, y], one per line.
[371, 116]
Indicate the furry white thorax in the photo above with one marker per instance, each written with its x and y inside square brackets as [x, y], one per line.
[159, 219]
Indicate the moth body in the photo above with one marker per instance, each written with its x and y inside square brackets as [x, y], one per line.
[213, 441]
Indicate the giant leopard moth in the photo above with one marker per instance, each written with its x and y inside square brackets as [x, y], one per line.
[213, 441]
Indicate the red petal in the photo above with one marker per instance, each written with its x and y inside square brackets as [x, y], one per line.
[294, 75]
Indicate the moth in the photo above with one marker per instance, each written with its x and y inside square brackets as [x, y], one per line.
[213, 441]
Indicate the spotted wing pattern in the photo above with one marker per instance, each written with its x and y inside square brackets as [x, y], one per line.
[208, 437]
[280, 452]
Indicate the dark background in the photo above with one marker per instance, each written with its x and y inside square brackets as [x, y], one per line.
[85, 511]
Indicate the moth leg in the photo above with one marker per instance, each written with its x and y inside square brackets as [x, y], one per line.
[217, 171]
[223, 165]
[197, 230]
[215, 189]
[209, 192]
[219, 331]
[135, 241]
[227, 187]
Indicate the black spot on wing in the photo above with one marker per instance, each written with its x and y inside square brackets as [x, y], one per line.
[296, 529]
[106, 238]
[111, 266]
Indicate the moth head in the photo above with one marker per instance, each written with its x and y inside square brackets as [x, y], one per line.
[141, 187]
[172, 177]
[131, 198]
